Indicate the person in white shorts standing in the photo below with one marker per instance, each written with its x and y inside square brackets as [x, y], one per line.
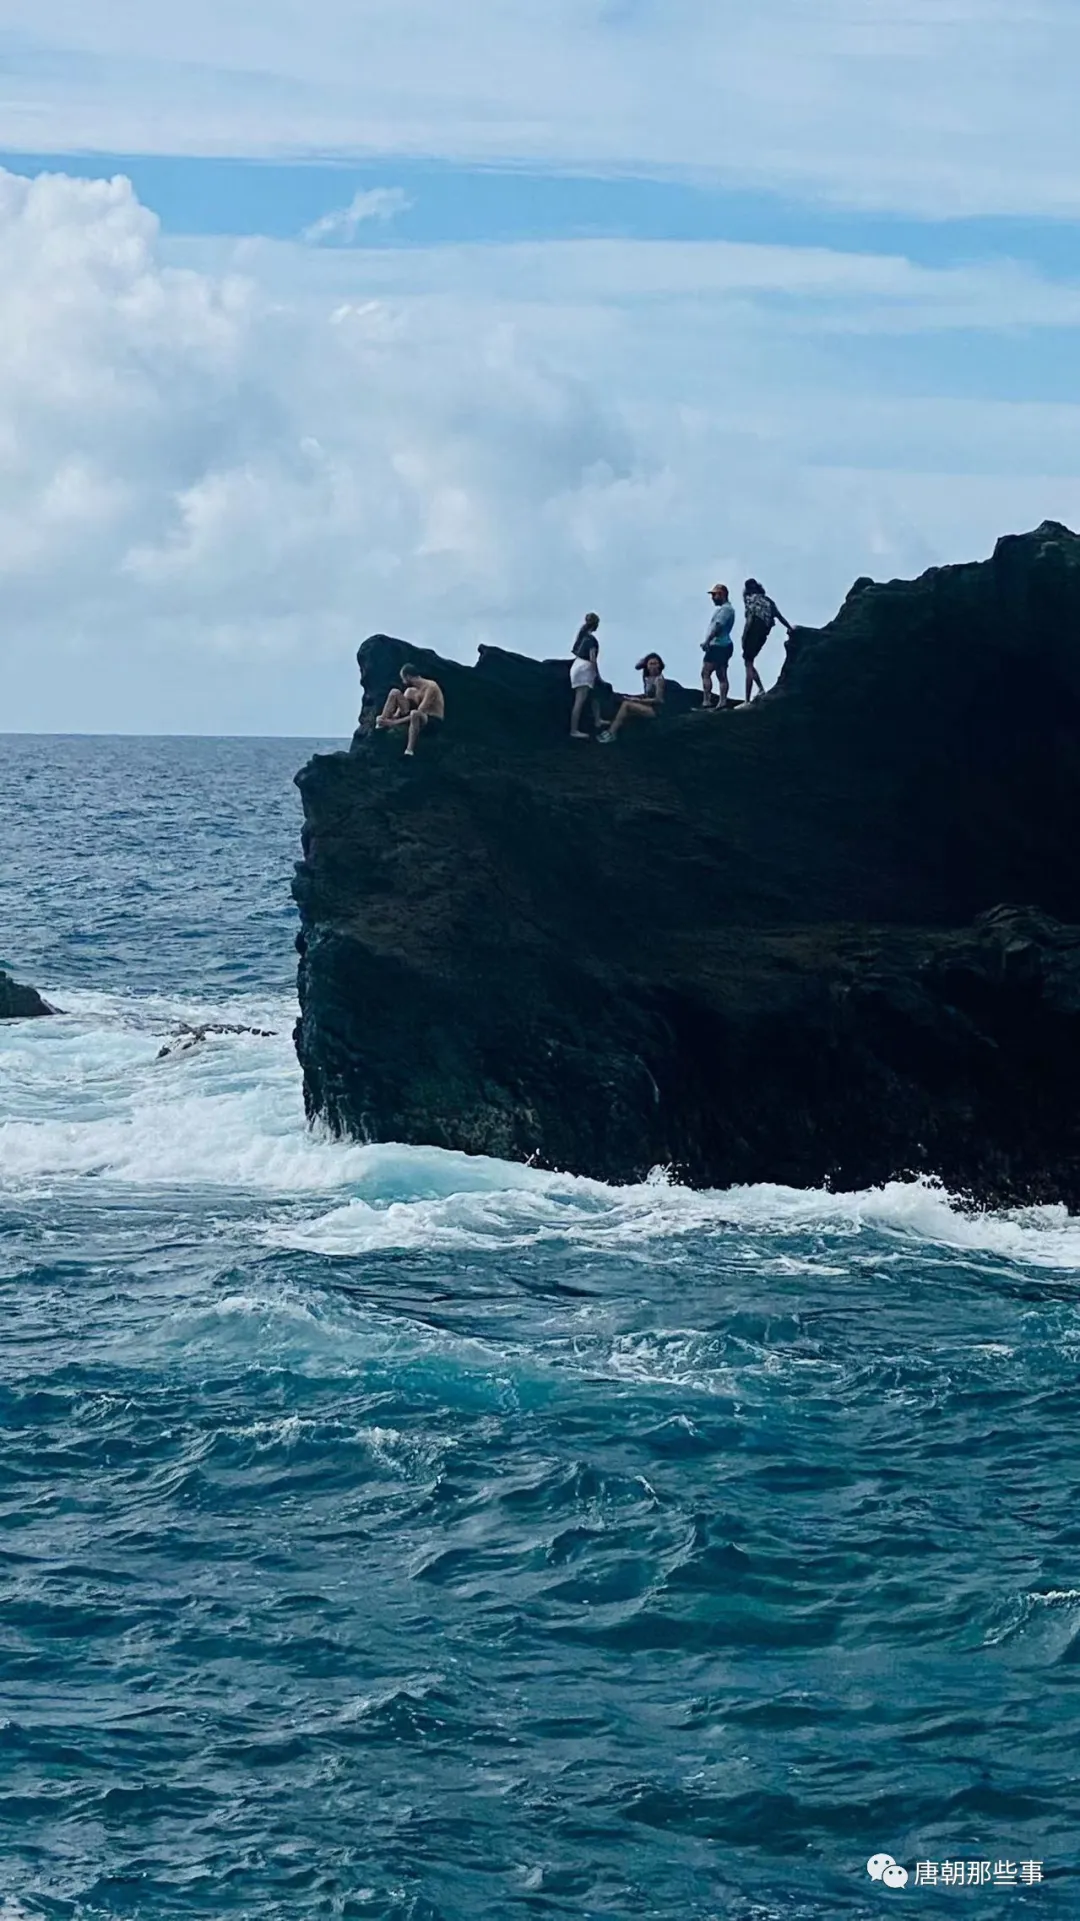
[585, 675]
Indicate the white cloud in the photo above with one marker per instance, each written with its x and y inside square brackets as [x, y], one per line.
[373, 203]
[214, 482]
[807, 288]
[936, 106]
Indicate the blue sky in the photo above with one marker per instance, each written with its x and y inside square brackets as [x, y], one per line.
[449, 203]
[374, 315]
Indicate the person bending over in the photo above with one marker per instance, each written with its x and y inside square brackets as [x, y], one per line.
[417, 705]
[584, 676]
[761, 617]
[643, 706]
[717, 647]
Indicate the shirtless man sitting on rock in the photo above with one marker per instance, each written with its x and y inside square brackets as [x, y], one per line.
[417, 704]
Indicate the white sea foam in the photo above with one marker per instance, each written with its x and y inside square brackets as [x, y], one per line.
[85, 1098]
[1046, 1613]
[518, 1208]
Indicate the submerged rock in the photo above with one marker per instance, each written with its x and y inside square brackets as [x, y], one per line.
[19, 1003]
[188, 1036]
[764, 945]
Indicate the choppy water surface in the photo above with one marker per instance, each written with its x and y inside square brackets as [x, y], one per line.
[390, 1534]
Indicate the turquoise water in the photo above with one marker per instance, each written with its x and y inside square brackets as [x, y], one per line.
[389, 1534]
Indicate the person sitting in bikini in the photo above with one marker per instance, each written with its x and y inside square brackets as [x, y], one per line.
[418, 705]
[643, 706]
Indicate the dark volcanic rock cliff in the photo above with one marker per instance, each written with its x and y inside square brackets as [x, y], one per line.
[761, 945]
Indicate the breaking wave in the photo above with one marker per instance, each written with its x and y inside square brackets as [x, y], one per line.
[94, 1102]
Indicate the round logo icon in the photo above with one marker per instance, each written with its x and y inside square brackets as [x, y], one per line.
[887, 1870]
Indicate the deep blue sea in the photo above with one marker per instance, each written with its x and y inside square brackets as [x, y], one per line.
[385, 1533]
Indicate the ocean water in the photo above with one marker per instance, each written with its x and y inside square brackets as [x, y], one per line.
[385, 1533]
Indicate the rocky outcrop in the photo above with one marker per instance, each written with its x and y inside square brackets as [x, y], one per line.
[759, 945]
[188, 1036]
[19, 1003]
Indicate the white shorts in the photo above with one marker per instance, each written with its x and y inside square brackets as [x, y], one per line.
[583, 674]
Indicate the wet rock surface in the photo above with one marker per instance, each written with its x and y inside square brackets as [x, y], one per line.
[187, 1036]
[762, 945]
[19, 1003]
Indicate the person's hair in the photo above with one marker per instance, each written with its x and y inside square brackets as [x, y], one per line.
[409, 672]
[644, 661]
[753, 587]
[591, 620]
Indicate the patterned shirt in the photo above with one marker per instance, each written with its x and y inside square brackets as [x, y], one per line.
[760, 609]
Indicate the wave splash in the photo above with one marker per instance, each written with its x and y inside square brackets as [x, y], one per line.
[87, 1099]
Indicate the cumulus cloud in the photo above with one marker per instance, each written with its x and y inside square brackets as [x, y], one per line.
[936, 106]
[214, 482]
[382, 204]
[190, 467]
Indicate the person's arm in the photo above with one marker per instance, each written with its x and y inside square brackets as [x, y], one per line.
[658, 690]
[780, 618]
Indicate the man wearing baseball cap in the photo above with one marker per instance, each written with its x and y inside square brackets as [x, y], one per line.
[717, 648]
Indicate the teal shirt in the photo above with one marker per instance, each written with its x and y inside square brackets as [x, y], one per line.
[720, 626]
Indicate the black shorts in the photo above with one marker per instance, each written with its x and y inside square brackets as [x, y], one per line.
[718, 654]
[755, 634]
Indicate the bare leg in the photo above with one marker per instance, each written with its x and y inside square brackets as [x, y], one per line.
[395, 708]
[581, 695]
[722, 680]
[706, 685]
[628, 710]
[416, 722]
